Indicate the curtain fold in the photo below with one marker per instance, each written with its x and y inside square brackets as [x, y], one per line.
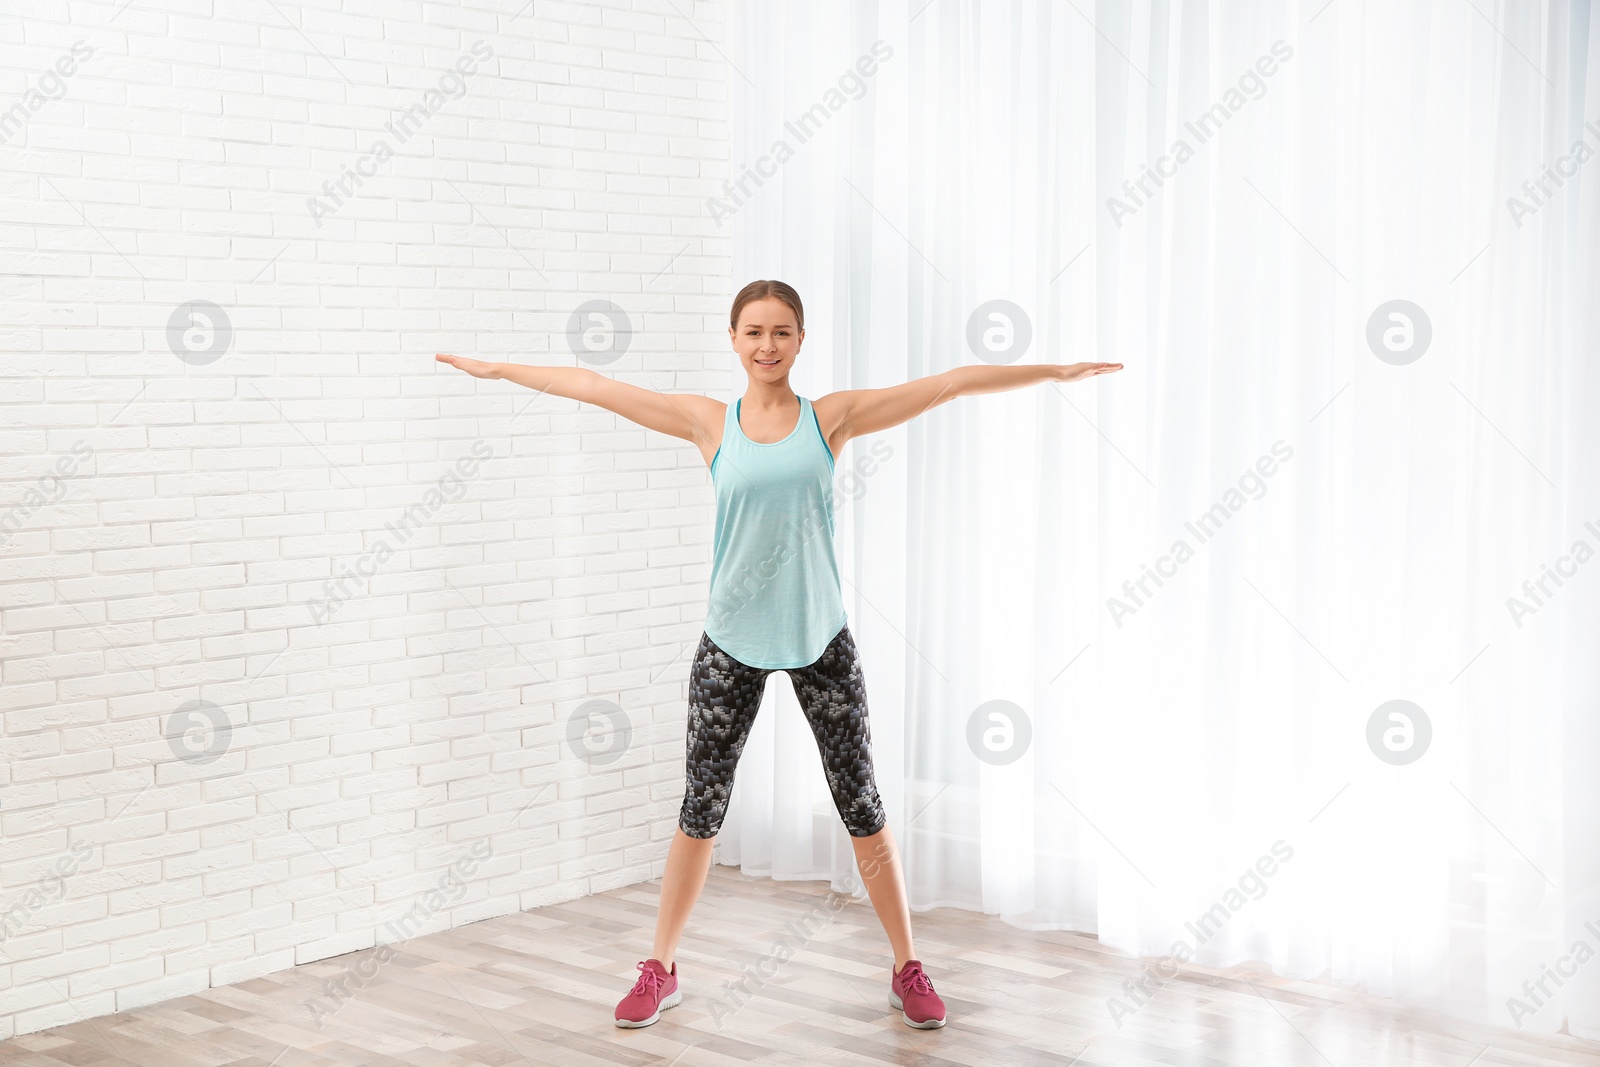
[1279, 644]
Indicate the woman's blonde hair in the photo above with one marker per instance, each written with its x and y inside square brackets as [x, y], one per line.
[765, 288]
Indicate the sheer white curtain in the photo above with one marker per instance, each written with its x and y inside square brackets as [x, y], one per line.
[1195, 583]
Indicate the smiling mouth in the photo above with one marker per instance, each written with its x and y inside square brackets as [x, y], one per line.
[767, 362]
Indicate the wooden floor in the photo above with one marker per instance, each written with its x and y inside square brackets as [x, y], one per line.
[539, 987]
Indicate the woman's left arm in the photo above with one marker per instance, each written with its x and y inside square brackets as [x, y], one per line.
[864, 411]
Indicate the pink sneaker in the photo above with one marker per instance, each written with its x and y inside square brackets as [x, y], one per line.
[913, 994]
[656, 988]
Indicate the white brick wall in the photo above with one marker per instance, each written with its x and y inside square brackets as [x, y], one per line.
[168, 524]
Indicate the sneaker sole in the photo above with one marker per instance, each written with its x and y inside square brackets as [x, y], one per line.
[931, 1024]
[671, 1000]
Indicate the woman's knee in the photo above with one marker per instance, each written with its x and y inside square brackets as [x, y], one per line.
[865, 816]
[702, 824]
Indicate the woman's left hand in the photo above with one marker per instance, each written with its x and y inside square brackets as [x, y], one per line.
[1072, 372]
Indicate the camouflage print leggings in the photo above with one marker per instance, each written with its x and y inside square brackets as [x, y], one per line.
[724, 696]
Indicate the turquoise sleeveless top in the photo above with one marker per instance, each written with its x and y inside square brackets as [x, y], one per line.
[775, 599]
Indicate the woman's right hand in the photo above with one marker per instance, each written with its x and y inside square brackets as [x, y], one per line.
[475, 367]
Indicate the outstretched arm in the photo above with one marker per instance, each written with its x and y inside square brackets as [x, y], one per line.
[684, 415]
[864, 411]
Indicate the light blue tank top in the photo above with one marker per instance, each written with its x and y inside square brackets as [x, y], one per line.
[775, 599]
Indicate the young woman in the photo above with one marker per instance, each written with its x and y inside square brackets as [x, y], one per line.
[775, 602]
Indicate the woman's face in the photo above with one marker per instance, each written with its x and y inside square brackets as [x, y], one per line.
[767, 339]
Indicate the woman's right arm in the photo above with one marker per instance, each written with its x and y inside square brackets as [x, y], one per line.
[683, 415]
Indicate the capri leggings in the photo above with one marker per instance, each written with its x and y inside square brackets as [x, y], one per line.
[724, 696]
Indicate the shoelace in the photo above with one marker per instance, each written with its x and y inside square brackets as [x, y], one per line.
[916, 981]
[649, 982]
